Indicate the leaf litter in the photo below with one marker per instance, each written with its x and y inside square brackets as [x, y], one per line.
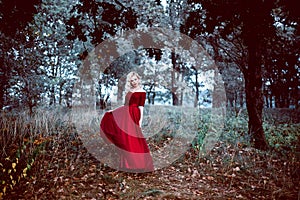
[65, 170]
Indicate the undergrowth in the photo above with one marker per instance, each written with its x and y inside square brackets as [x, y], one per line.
[48, 138]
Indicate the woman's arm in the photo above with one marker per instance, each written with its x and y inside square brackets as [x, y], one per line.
[142, 114]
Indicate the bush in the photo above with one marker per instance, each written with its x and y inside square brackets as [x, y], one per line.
[283, 137]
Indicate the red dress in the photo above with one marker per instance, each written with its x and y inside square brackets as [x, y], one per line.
[121, 127]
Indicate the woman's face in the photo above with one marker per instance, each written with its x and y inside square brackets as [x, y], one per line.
[134, 81]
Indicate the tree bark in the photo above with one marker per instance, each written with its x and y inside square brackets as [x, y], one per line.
[197, 87]
[3, 84]
[175, 100]
[254, 99]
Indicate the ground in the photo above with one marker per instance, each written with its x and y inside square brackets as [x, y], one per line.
[228, 172]
[47, 160]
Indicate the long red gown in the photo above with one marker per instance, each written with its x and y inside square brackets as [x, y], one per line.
[121, 127]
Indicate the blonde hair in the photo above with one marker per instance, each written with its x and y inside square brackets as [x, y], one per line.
[129, 76]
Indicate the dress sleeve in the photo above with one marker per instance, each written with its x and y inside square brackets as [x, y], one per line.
[142, 99]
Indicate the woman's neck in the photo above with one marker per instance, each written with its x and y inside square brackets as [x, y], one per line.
[135, 89]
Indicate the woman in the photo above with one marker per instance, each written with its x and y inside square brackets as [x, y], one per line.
[122, 127]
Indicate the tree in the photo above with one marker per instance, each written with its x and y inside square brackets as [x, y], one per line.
[96, 21]
[246, 33]
[15, 16]
[281, 62]
[58, 56]
[252, 22]
[16, 11]
[92, 22]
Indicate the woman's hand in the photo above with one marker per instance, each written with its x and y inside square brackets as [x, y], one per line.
[142, 115]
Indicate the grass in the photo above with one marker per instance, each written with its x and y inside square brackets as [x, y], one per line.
[43, 154]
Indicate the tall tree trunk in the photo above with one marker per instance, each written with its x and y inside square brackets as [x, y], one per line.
[5, 74]
[60, 94]
[197, 87]
[52, 96]
[254, 99]
[296, 98]
[3, 84]
[241, 99]
[181, 90]
[271, 100]
[175, 100]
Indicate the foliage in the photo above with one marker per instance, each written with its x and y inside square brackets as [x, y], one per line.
[23, 139]
[235, 130]
[202, 122]
[13, 170]
[227, 27]
[40, 64]
[12, 10]
[94, 21]
[16, 158]
[15, 16]
[58, 57]
[284, 137]
[281, 128]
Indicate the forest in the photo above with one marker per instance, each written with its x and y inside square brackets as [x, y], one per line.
[222, 82]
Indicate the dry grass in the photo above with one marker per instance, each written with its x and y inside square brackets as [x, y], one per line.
[59, 166]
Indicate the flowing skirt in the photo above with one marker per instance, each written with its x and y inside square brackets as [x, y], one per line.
[121, 127]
